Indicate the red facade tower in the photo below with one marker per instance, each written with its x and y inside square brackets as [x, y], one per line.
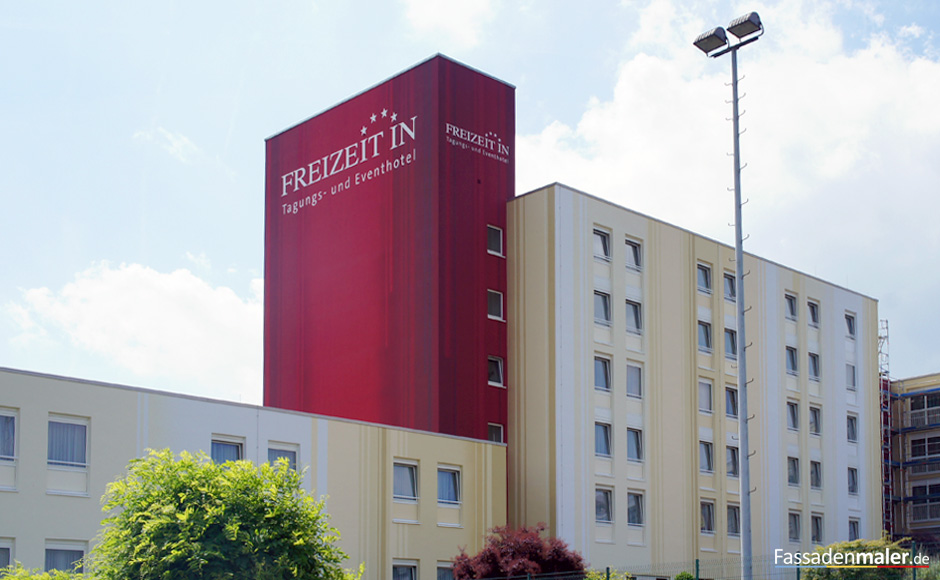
[385, 275]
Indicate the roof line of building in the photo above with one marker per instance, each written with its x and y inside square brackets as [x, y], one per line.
[146, 390]
[663, 222]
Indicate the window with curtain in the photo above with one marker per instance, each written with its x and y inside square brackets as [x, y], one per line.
[400, 572]
[65, 560]
[7, 437]
[602, 439]
[290, 455]
[602, 507]
[223, 451]
[405, 485]
[67, 444]
[448, 486]
[634, 381]
[445, 572]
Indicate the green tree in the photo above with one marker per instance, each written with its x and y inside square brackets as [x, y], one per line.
[190, 518]
[517, 552]
[858, 546]
[16, 571]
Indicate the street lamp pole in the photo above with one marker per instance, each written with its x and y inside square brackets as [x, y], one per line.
[714, 43]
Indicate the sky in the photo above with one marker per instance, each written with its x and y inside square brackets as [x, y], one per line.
[132, 147]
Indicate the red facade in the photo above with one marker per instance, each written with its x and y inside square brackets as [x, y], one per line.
[376, 264]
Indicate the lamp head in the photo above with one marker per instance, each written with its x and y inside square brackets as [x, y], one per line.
[711, 40]
[745, 25]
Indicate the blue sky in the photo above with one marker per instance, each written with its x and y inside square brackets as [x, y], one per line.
[132, 147]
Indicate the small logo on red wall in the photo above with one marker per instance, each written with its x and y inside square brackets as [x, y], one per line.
[488, 144]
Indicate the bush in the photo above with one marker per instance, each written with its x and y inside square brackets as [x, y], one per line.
[509, 552]
[860, 546]
[18, 572]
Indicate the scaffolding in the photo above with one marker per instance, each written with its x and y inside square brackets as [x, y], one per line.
[884, 384]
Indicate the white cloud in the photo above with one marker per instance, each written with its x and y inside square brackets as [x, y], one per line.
[175, 326]
[176, 144]
[200, 260]
[460, 21]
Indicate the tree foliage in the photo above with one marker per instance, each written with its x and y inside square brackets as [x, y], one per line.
[16, 571]
[860, 546]
[190, 518]
[517, 552]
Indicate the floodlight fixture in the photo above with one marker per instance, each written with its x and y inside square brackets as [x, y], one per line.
[711, 40]
[745, 25]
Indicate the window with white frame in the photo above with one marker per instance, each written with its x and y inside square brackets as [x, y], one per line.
[634, 255]
[6, 552]
[405, 482]
[923, 446]
[7, 435]
[731, 290]
[635, 509]
[850, 325]
[634, 381]
[855, 527]
[68, 441]
[634, 317]
[65, 556]
[793, 526]
[225, 448]
[793, 471]
[448, 486]
[790, 306]
[603, 505]
[494, 432]
[731, 402]
[602, 439]
[708, 517]
[816, 523]
[634, 445]
[494, 305]
[704, 274]
[704, 396]
[601, 373]
[734, 520]
[494, 240]
[404, 570]
[494, 371]
[704, 337]
[851, 428]
[815, 474]
[813, 311]
[815, 420]
[814, 371]
[601, 308]
[850, 381]
[445, 571]
[705, 457]
[286, 451]
[853, 481]
[732, 466]
[792, 366]
[793, 416]
[731, 344]
[602, 245]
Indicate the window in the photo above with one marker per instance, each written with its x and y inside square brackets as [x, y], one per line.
[603, 508]
[854, 529]
[634, 445]
[404, 572]
[634, 317]
[635, 509]
[853, 481]
[925, 447]
[601, 374]
[817, 528]
[448, 486]
[602, 439]
[494, 240]
[704, 279]
[277, 453]
[792, 368]
[815, 474]
[634, 256]
[634, 381]
[731, 456]
[813, 366]
[405, 484]
[850, 325]
[602, 245]
[66, 558]
[793, 526]
[708, 517]
[445, 571]
[731, 402]
[850, 376]
[815, 420]
[731, 344]
[601, 308]
[734, 520]
[851, 428]
[704, 396]
[793, 416]
[495, 371]
[494, 304]
[223, 450]
[705, 463]
[494, 432]
[793, 471]
[68, 445]
[7, 436]
[813, 311]
[731, 291]
[6, 552]
[704, 336]
[790, 303]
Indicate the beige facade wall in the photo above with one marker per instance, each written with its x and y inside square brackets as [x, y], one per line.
[351, 463]
[555, 407]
